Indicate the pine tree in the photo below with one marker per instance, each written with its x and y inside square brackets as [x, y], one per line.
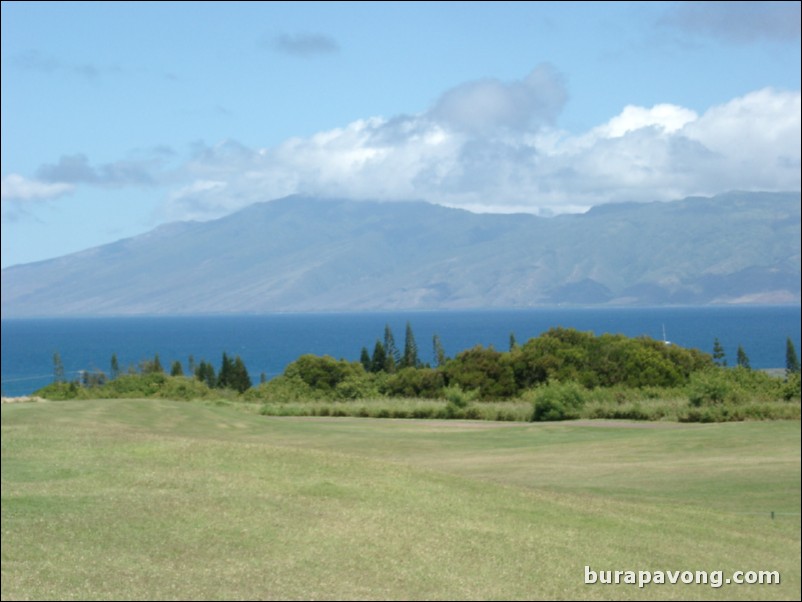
[157, 364]
[58, 368]
[791, 359]
[176, 369]
[743, 359]
[379, 360]
[239, 376]
[115, 366]
[719, 357]
[364, 359]
[410, 357]
[225, 377]
[205, 373]
[439, 353]
[393, 357]
[513, 342]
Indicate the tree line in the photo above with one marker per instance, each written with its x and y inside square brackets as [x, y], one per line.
[482, 373]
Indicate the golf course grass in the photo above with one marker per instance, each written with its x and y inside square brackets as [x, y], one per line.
[154, 499]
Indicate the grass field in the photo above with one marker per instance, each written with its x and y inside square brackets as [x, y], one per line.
[174, 500]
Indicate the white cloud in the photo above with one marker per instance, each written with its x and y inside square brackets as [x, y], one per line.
[15, 187]
[487, 104]
[668, 118]
[643, 154]
[487, 146]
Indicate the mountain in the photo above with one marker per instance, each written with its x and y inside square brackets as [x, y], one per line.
[306, 254]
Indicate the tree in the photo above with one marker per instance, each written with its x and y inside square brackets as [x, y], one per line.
[364, 359]
[410, 357]
[153, 366]
[719, 357]
[225, 378]
[240, 380]
[176, 369]
[791, 359]
[743, 359]
[378, 362]
[205, 373]
[440, 358]
[513, 343]
[115, 366]
[392, 355]
[58, 368]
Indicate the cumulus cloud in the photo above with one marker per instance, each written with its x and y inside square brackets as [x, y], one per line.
[739, 22]
[15, 187]
[305, 44]
[489, 104]
[76, 169]
[642, 154]
[54, 180]
[485, 146]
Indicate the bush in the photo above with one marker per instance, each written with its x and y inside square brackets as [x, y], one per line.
[415, 382]
[557, 401]
[60, 391]
[790, 389]
[456, 396]
[486, 370]
[714, 387]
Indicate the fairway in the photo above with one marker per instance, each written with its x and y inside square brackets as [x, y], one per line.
[175, 500]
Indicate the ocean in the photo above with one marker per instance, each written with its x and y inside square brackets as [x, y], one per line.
[267, 343]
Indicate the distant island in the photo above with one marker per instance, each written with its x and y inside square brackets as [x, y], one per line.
[313, 254]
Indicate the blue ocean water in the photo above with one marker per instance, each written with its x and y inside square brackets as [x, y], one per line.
[268, 343]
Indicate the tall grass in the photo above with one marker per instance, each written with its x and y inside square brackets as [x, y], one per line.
[403, 408]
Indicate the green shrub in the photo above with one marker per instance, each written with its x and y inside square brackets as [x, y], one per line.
[458, 397]
[714, 387]
[790, 389]
[557, 401]
[415, 382]
[60, 391]
[485, 370]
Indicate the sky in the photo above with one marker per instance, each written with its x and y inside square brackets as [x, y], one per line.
[121, 116]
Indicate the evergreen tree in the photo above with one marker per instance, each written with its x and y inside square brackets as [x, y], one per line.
[719, 357]
[58, 368]
[205, 373]
[513, 342]
[364, 359]
[393, 356]
[439, 353]
[115, 366]
[191, 364]
[157, 364]
[410, 357]
[379, 360]
[743, 359]
[239, 376]
[225, 378]
[262, 378]
[791, 359]
[176, 369]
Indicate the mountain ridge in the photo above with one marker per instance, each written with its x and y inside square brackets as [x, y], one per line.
[310, 254]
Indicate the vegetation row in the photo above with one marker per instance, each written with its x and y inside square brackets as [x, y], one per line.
[561, 374]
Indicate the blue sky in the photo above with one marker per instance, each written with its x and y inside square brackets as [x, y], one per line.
[117, 117]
